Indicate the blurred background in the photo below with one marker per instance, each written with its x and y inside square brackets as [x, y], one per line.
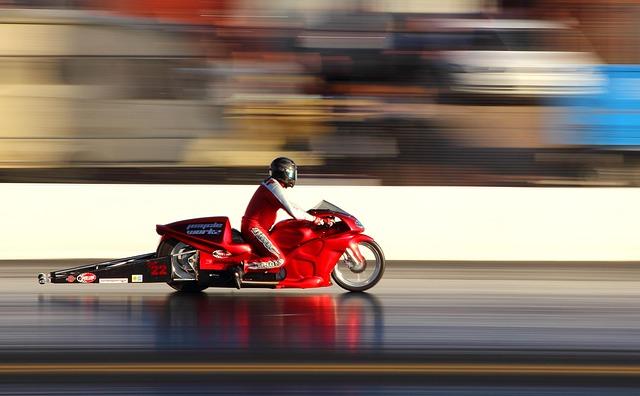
[462, 92]
[358, 92]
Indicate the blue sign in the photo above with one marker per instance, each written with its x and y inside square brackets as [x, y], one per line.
[610, 118]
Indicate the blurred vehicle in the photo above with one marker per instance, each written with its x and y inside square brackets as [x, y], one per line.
[80, 87]
[519, 58]
[350, 46]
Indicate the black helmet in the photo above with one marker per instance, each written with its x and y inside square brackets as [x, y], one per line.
[285, 170]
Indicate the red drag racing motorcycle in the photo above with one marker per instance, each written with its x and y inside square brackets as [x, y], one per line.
[199, 253]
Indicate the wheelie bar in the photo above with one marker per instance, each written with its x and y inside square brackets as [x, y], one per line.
[144, 268]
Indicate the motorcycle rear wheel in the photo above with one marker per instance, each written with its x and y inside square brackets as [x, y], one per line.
[354, 278]
[187, 286]
[167, 248]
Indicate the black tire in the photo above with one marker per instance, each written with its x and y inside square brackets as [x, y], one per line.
[369, 283]
[165, 249]
[187, 286]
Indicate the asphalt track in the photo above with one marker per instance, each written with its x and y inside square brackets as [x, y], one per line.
[427, 328]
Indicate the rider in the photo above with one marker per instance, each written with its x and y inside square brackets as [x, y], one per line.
[261, 214]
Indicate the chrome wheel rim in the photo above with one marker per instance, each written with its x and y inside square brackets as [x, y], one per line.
[183, 261]
[359, 275]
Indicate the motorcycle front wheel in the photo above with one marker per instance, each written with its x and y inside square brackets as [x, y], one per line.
[357, 277]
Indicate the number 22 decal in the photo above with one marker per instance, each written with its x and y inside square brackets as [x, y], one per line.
[157, 269]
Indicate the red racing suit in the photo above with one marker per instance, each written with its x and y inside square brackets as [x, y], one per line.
[259, 218]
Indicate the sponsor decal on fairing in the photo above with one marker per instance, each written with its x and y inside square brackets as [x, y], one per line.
[71, 278]
[205, 229]
[136, 278]
[220, 253]
[86, 277]
[113, 280]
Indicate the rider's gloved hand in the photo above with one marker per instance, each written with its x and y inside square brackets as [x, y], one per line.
[318, 221]
[329, 221]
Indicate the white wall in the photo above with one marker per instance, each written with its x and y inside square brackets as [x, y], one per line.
[43, 221]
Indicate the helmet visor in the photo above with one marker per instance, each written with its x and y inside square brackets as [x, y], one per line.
[292, 173]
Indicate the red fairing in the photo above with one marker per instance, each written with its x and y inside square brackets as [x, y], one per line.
[207, 233]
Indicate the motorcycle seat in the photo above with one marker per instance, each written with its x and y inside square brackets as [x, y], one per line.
[236, 236]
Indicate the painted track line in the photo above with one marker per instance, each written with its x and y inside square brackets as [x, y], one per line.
[322, 368]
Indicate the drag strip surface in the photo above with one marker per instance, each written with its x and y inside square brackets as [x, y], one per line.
[577, 321]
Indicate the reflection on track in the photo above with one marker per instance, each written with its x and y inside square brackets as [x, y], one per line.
[347, 322]
[223, 323]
